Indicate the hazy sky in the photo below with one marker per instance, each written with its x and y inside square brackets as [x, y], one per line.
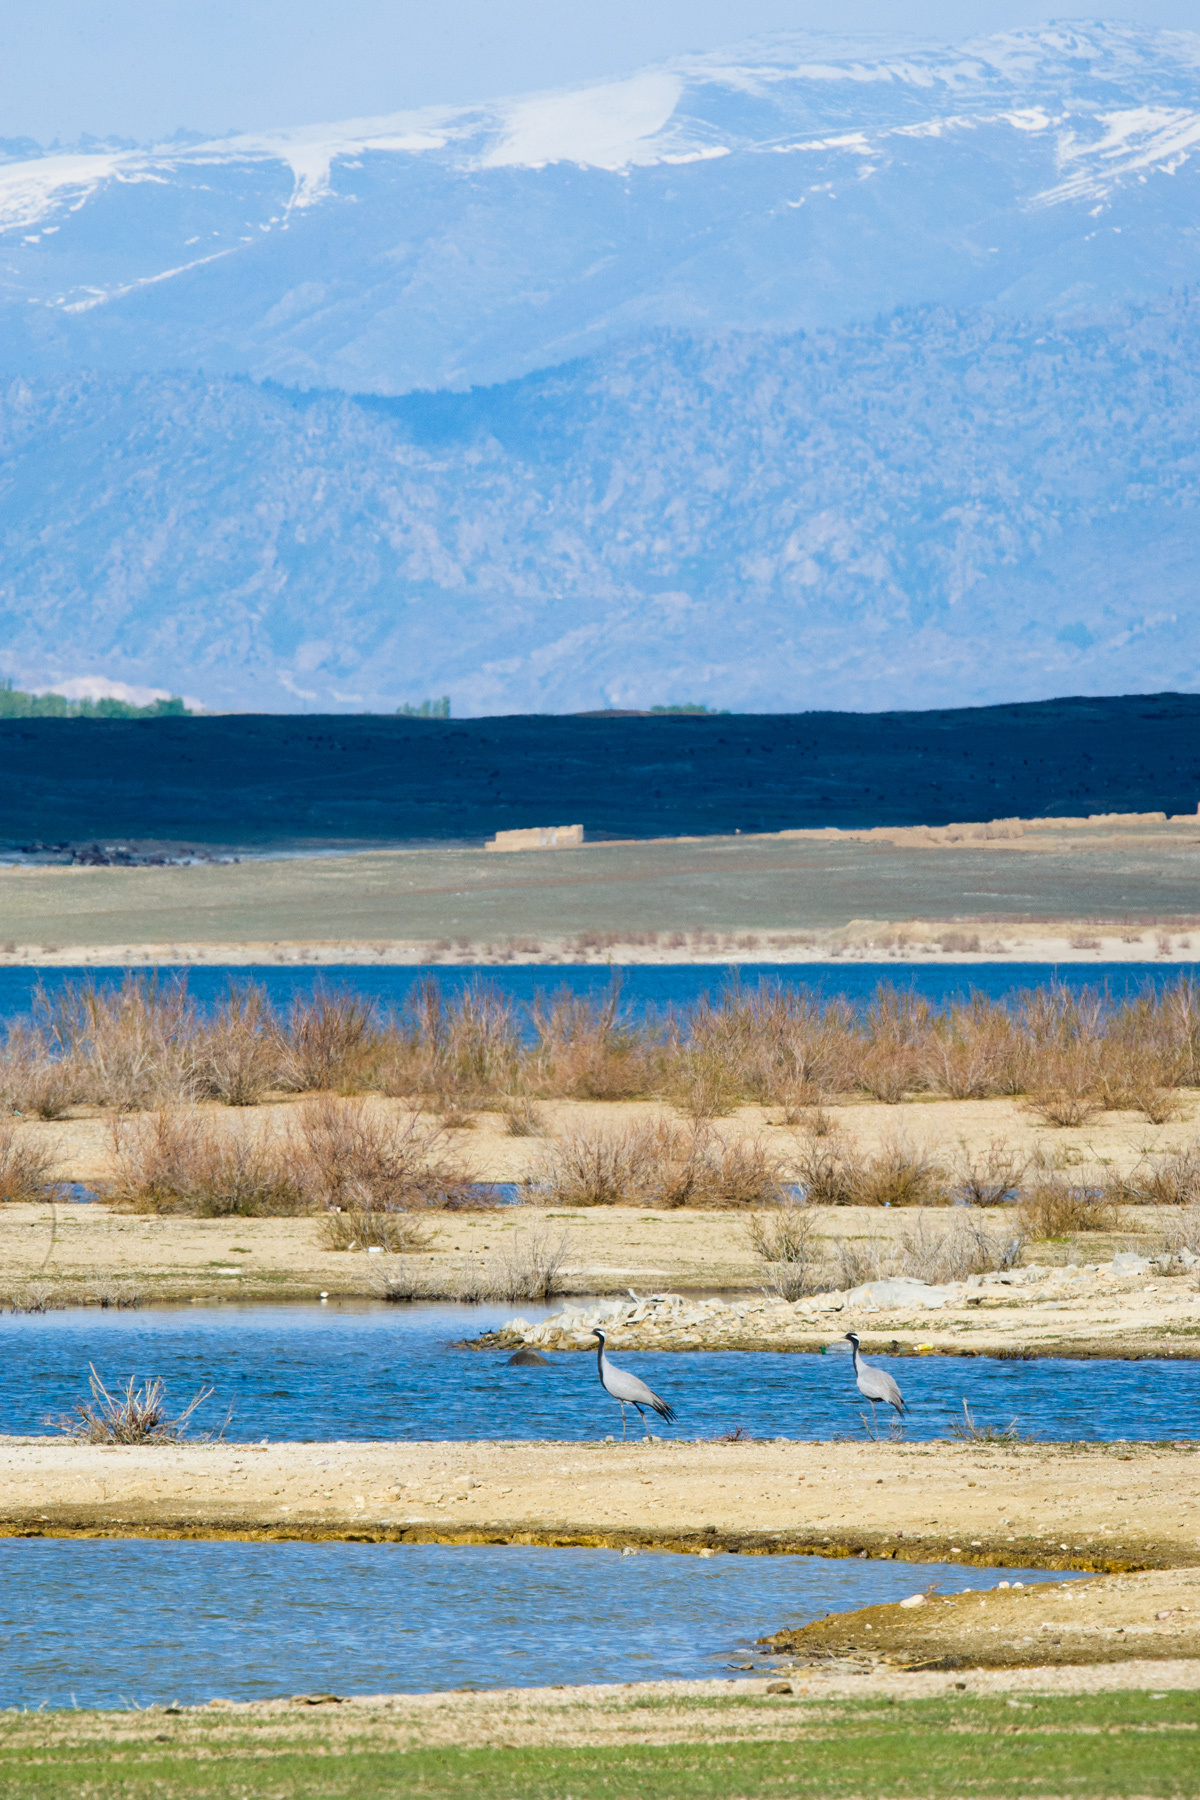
[142, 68]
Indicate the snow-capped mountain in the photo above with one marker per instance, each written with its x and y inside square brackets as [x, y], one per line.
[782, 186]
[827, 375]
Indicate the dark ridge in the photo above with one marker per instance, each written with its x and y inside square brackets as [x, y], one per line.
[270, 779]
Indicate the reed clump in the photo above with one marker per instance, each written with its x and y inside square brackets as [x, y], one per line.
[363, 1230]
[133, 1415]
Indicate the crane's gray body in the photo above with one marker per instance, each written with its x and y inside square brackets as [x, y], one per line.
[874, 1384]
[627, 1388]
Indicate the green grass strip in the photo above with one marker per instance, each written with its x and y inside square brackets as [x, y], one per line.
[1122, 1744]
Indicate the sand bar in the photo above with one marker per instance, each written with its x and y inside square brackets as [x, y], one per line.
[1105, 1507]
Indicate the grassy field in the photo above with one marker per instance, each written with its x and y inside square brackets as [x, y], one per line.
[1114, 1744]
[715, 884]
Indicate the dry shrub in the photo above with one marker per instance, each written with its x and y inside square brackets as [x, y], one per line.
[971, 1051]
[1067, 1087]
[239, 1051]
[586, 1049]
[130, 1046]
[987, 1177]
[768, 1044]
[524, 1118]
[332, 1042]
[26, 1165]
[859, 1260]
[352, 1157]
[590, 1168]
[826, 1169]
[934, 1254]
[185, 1162]
[783, 1241]
[391, 1231]
[1183, 1233]
[964, 1247]
[33, 1081]
[527, 1265]
[898, 1174]
[1172, 1180]
[656, 1163]
[138, 1415]
[1050, 1208]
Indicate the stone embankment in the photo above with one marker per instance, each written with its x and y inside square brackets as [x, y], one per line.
[1108, 1307]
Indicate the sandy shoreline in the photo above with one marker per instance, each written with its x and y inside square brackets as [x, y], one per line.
[924, 943]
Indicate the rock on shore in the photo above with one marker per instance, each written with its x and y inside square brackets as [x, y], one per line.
[667, 1321]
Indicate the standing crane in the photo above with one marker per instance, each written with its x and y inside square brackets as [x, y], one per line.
[874, 1384]
[623, 1386]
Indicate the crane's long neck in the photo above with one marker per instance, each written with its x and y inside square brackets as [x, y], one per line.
[854, 1347]
[600, 1358]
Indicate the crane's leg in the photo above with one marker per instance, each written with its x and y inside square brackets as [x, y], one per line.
[621, 1404]
[642, 1417]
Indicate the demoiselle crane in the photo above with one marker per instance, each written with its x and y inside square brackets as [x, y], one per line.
[874, 1384]
[626, 1387]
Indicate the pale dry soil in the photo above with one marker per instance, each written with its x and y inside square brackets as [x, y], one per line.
[651, 1712]
[91, 1252]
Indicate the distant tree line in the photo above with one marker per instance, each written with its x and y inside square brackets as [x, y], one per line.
[14, 704]
[428, 709]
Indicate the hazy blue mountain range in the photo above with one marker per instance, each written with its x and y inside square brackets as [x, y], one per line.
[823, 375]
[934, 509]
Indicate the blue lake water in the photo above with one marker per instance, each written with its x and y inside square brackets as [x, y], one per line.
[645, 988]
[358, 1370]
[107, 1623]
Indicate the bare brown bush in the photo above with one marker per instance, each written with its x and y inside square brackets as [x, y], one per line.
[1183, 1233]
[1050, 1208]
[239, 1051]
[1066, 1088]
[33, 1081]
[783, 1240]
[827, 1170]
[899, 1174]
[462, 1050]
[523, 1118]
[527, 1266]
[332, 1042]
[656, 1163]
[177, 1161]
[1171, 1180]
[989, 1176]
[26, 1165]
[586, 1049]
[356, 1157]
[965, 1246]
[130, 1045]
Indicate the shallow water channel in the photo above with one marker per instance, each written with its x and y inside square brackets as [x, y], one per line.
[111, 1623]
[361, 1370]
